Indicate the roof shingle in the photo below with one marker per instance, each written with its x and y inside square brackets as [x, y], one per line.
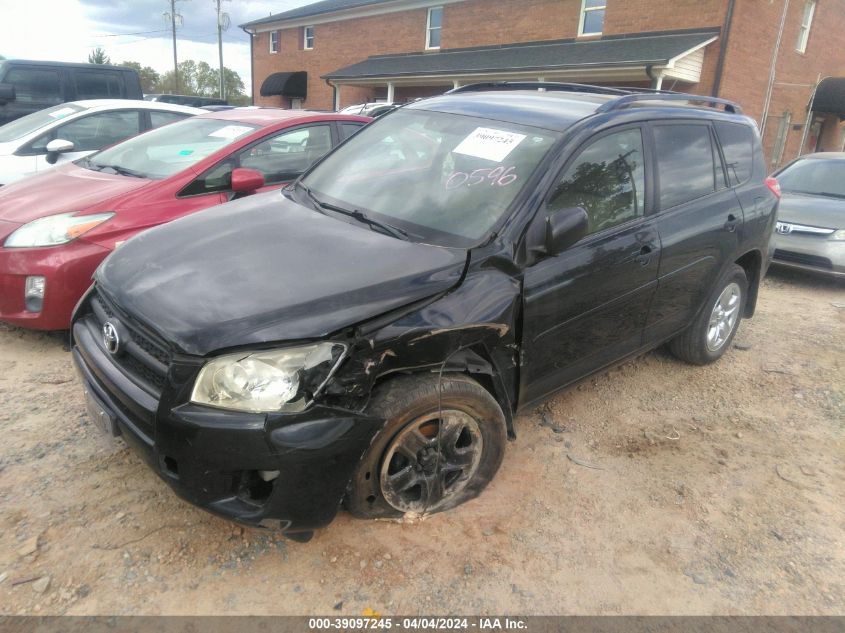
[315, 8]
[638, 50]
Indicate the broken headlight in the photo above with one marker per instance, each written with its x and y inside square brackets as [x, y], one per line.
[282, 380]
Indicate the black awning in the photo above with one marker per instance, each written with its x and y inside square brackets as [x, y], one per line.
[293, 85]
[608, 52]
[830, 96]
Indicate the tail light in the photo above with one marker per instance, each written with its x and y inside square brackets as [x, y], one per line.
[773, 185]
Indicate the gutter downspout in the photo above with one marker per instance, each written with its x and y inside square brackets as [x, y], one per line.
[772, 71]
[251, 63]
[723, 48]
[656, 80]
[335, 104]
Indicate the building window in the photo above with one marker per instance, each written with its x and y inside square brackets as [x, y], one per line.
[433, 27]
[592, 17]
[806, 22]
[274, 41]
[308, 38]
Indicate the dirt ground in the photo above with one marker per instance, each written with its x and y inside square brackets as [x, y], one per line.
[657, 488]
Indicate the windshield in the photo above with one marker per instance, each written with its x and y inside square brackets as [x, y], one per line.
[815, 176]
[167, 150]
[35, 121]
[443, 178]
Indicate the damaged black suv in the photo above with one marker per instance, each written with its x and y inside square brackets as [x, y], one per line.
[367, 335]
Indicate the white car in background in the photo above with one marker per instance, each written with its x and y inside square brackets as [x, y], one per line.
[57, 135]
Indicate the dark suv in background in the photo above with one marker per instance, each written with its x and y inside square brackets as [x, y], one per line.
[368, 334]
[28, 86]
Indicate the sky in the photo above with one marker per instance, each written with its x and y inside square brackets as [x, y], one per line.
[131, 30]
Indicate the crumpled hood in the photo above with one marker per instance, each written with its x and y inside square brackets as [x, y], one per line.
[60, 190]
[266, 269]
[821, 211]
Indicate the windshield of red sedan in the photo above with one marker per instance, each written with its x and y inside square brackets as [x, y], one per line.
[168, 150]
[445, 178]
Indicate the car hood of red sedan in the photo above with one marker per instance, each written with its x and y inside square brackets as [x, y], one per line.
[61, 190]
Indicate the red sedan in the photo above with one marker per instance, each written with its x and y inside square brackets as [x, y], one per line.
[56, 228]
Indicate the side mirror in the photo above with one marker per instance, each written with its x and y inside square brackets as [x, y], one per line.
[246, 180]
[7, 93]
[56, 147]
[564, 228]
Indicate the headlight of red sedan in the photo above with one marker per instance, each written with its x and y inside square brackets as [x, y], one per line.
[54, 229]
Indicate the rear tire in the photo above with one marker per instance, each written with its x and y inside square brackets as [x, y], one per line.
[435, 451]
[712, 332]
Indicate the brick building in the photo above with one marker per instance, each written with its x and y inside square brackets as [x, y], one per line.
[782, 60]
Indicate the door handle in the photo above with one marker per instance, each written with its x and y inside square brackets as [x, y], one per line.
[643, 256]
[731, 224]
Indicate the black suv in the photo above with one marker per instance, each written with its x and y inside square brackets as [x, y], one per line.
[29, 86]
[368, 334]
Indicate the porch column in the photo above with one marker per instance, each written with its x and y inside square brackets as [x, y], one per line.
[390, 92]
[337, 97]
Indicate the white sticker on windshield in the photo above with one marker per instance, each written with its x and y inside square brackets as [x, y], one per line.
[62, 112]
[490, 144]
[231, 131]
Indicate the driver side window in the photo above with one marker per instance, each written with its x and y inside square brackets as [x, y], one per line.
[93, 132]
[279, 158]
[607, 179]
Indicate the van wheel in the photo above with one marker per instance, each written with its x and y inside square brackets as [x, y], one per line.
[711, 333]
[435, 451]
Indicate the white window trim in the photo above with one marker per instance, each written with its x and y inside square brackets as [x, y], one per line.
[305, 46]
[806, 25]
[583, 19]
[428, 29]
[278, 35]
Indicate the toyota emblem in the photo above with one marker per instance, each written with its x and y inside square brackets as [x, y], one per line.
[111, 339]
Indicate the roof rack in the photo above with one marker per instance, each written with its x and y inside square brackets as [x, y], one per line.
[537, 85]
[627, 96]
[630, 99]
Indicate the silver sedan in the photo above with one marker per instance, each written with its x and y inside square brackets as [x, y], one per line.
[810, 232]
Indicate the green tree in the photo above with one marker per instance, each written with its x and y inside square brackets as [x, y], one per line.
[199, 78]
[149, 77]
[98, 56]
[1, 57]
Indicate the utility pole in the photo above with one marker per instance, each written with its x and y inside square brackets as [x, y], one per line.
[175, 20]
[223, 23]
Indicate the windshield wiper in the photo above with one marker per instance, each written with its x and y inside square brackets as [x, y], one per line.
[825, 194]
[388, 229]
[123, 171]
[88, 164]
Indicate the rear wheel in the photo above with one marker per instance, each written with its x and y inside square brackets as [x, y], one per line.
[710, 335]
[435, 452]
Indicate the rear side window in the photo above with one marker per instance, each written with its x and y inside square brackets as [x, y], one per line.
[684, 163]
[737, 143]
[348, 129]
[157, 119]
[35, 85]
[97, 85]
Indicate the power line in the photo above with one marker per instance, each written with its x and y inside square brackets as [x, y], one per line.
[135, 33]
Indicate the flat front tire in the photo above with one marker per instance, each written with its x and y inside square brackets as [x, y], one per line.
[712, 332]
[438, 448]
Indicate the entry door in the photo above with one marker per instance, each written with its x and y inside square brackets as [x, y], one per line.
[586, 307]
